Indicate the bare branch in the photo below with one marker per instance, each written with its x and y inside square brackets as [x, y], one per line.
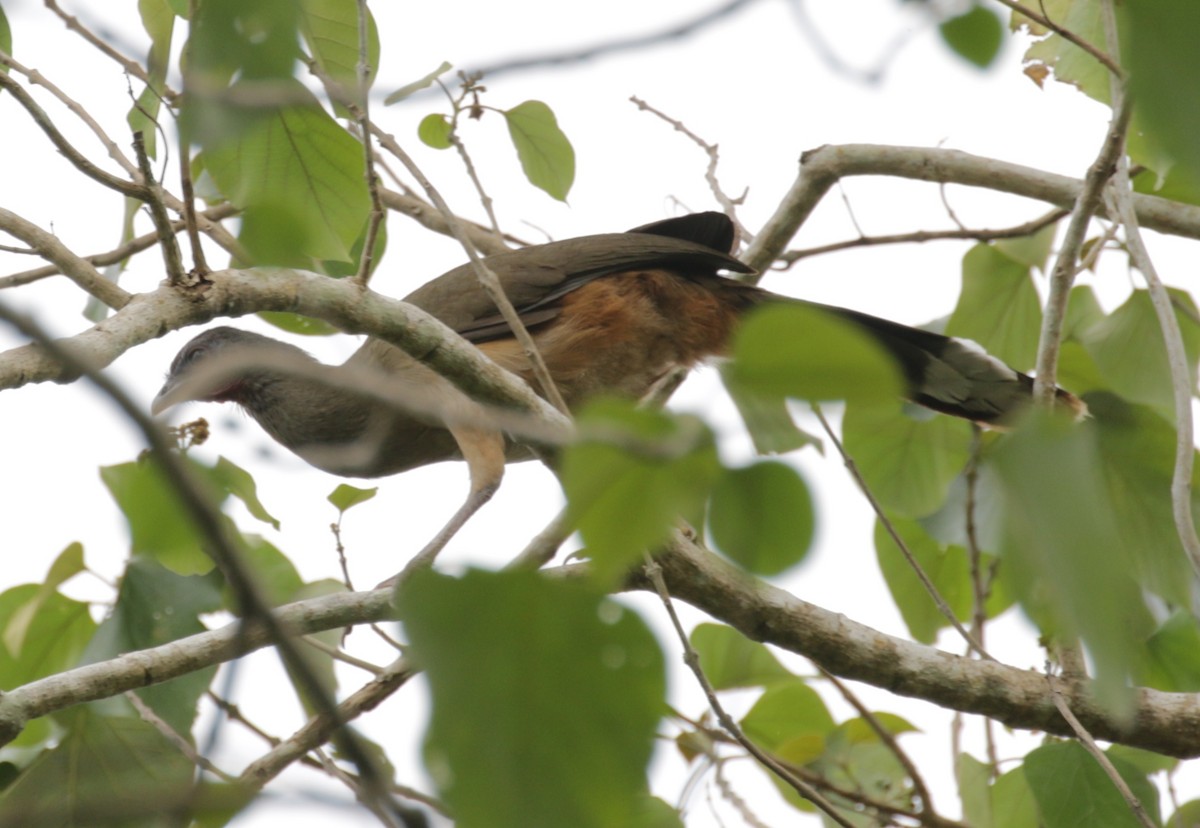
[692, 660]
[913, 563]
[158, 213]
[117, 254]
[822, 167]
[487, 278]
[1062, 277]
[1028, 228]
[1167, 723]
[38, 79]
[78, 159]
[729, 205]
[77, 269]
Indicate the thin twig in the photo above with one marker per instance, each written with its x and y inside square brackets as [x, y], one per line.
[341, 655]
[363, 71]
[199, 262]
[38, 79]
[885, 736]
[184, 746]
[158, 214]
[1063, 275]
[78, 159]
[729, 205]
[938, 600]
[921, 236]
[692, 660]
[1066, 34]
[486, 277]
[50, 247]
[129, 65]
[1091, 747]
[318, 730]
[117, 254]
[544, 545]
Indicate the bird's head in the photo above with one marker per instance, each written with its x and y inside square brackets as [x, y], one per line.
[211, 368]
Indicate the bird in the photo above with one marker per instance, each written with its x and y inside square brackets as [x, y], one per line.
[612, 314]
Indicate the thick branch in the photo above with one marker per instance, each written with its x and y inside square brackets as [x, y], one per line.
[237, 292]
[1167, 723]
[822, 167]
[143, 668]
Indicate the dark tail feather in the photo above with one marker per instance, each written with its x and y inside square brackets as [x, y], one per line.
[951, 375]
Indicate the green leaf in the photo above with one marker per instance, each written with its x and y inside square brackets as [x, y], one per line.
[761, 517]
[68, 564]
[1071, 64]
[948, 567]
[565, 729]
[1013, 805]
[908, 462]
[1164, 65]
[274, 573]
[111, 770]
[43, 634]
[1135, 448]
[1147, 762]
[417, 85]
[998, 307]
[973, 788]
[857, 759]
[1063, 547]
[975, 36]
[155, 606]
[787, 710]
[546, 155]
[730, 660]
[1188, 815]
[767, 419]
[158, 19]
[159, 525]
[434, 131]
[1173, 655]
[330, 29]
[652, 812]
[1129, 351]
[793, 350]
[1073, 791]
[238, 482]
[1032, 250]
[298, 177]
[6, 43]
[230, 38]
[1083, 311]
[345, 496]
[631, 477]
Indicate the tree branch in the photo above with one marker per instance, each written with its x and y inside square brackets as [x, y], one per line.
[1167, 723]
[77, 269]
[821, 168]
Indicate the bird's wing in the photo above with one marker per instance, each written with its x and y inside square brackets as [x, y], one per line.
[535, 277]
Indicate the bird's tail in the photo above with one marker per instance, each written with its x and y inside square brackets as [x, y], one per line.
[945, 373]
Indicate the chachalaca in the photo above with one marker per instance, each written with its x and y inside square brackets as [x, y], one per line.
[610, 313]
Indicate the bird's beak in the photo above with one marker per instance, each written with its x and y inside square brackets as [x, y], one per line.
[172, 393]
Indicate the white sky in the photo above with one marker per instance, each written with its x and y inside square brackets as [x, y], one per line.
[752, 84]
